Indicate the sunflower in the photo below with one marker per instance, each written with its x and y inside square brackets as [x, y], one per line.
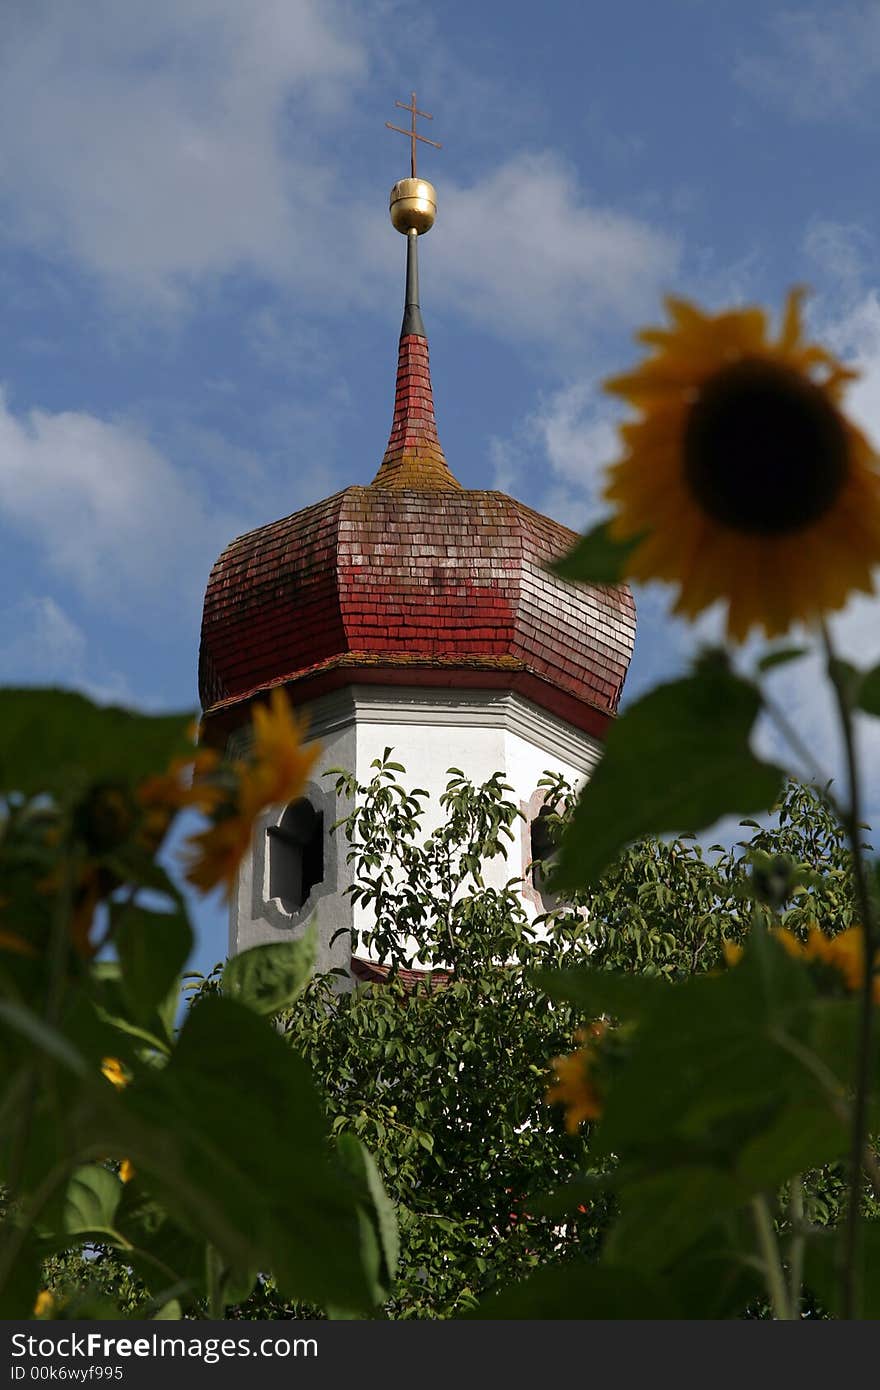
[275, 772]
[114, 1071]
[280, 763]
[743, 480]
[214, 855]
[844, 954]
[573, 1086]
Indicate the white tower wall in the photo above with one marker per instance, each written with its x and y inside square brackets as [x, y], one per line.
[481, 732]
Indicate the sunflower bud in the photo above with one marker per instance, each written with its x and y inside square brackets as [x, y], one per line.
[105, 818]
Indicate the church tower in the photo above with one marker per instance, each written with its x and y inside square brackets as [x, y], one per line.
[414, 614]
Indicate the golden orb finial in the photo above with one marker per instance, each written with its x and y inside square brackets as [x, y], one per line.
[413, 204]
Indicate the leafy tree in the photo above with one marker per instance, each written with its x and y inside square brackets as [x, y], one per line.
[446, 1081]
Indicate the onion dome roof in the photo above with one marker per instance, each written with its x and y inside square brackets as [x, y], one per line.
[415, 586]
[411, 581]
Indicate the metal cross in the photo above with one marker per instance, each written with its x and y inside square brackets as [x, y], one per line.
[412, 133]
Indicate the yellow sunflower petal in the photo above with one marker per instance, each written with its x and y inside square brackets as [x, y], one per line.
[573, 1089]
[790, 336]
[790, 533]
[114, 1072]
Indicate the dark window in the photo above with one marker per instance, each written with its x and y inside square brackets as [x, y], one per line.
[542, 846]
[542, 841]
[296, 854]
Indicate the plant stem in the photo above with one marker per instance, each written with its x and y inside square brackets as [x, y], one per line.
[59, 942]
[214, 1283]
[850, 1287]
[833, 1091]
[796, 1267]
[800, 750]
[769, 1248]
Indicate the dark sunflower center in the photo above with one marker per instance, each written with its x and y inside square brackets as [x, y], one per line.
[764, 449]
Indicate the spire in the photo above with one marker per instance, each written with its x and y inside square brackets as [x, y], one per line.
[413, 458]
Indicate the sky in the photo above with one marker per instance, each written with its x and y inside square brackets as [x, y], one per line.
[202, 290]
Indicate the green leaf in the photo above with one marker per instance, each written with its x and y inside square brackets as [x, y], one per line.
[596, 558]
[361, 1167]
[234, 1145]
[822, 1270]
[169, 1311]
[603, 991]
[91, 1200]
[50, 739]
[663, 1214]
[801, 1136]
[167, 1258]
[579, 1291]
[131, 1030]
[23, 1271]
[708, 1068]
[718, 1277]
[153, 948]
[27, 1025]
[869, 692]
[268, 978]
[834, 1044]
[134, 864]
[580, 1192]
[780, 657]
[679, 758]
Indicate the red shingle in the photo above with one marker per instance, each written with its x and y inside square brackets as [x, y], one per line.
[348, 578]
[412, 580]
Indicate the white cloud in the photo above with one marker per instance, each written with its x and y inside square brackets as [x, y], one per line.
[839, 251]
[855, 335]
[167, 140]
[186, 139]
[822, 60]
[803, 692]
[559, 453]
[523, 251]
[107, 510]
[579, 442]
[42, 645]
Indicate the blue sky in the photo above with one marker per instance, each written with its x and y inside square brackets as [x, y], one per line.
[202, 290]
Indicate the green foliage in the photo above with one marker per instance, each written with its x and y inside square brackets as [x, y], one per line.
[596, 558]
[187, 1161]
[57, 740]
[90, 1202]
[268, 978]
[584, 1291]
[699, 769]
[301, 1147]
[447, 1084]
[721, 1087]
[153, 948]
[780, 656]
[666, 907]
[869, 692]
[425, 894]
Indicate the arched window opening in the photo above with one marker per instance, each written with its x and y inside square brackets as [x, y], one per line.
[542, 846]
[296, 854]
